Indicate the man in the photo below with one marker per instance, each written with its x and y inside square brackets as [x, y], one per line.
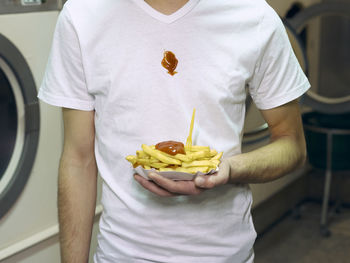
[106, 71]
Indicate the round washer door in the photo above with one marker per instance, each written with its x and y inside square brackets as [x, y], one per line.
[20, 117]
[328, 56]
[255, 128]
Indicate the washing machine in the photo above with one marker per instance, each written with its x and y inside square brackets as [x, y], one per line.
[326, 47]
[30, 133]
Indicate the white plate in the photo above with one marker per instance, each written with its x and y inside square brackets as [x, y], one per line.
[171, 174]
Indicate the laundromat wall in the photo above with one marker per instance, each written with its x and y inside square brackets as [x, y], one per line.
[28, 232]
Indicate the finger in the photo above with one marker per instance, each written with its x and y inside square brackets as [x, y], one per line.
[178, 187]
[219, 178]
[152, 187]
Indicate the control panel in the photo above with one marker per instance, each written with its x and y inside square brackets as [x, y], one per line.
[25, 6]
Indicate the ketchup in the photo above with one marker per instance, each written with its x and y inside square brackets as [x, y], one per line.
[170, 62]
[171, 147]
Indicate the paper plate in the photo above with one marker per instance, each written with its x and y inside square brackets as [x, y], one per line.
[179, 176]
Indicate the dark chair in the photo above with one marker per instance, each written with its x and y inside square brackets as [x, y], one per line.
[328, 146]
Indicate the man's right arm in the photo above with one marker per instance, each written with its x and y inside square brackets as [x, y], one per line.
[77, 185]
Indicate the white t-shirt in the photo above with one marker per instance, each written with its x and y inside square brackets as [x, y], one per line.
[106, 56]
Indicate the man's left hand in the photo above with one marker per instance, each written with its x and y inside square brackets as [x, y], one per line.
[162, 186]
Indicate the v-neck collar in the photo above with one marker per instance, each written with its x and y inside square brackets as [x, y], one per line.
[185, 9]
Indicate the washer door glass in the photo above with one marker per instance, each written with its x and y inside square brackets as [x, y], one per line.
[328, 54]
[8, 117]
[20, 121]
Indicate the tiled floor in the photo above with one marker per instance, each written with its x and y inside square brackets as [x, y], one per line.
[299, 241]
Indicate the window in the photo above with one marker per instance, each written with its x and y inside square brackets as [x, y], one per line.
[8, 118]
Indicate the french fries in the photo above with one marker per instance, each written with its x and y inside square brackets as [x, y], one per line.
[196, 158]
[202, 160]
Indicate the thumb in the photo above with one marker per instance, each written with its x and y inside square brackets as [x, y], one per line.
[219, 178]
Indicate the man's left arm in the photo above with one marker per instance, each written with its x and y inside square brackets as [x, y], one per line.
[284, 153]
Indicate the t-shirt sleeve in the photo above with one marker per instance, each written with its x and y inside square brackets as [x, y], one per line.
[278, 76]
[64, 83]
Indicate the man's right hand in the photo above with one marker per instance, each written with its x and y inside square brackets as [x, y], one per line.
[77, 185]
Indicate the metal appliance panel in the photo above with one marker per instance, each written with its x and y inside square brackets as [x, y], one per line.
[334, 58]
[25, 6]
